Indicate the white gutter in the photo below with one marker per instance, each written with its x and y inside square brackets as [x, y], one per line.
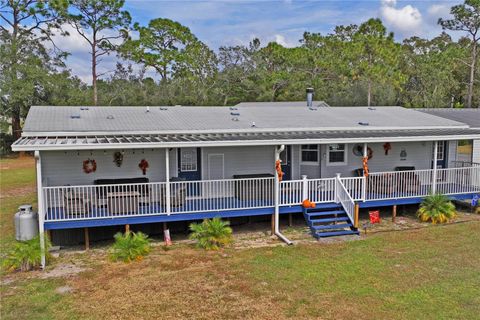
[278, 150]
[153, 145]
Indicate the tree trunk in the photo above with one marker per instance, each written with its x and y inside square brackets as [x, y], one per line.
[16, 128]
[94, 74]
[472, 75]
[369, 94]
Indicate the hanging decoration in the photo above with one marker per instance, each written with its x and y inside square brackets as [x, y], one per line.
[369, 153]
[118, 158]
[89, 166]
[143, 165]
[278, 168]
[365, 166]
[358, 151]
[387, 147]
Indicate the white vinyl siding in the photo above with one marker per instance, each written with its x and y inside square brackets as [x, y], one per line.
[66, 168]
[242, 160]
[419, 155]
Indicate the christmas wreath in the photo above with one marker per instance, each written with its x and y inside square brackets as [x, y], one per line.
[143, 165]
[89, 166]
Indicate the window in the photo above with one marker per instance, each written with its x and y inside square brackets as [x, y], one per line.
[440, 150]
[336, 154]
[188, 159]
[310, 153]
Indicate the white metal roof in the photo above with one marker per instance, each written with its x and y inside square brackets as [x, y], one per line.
[59, 128]
[159, 120]
[467, 116]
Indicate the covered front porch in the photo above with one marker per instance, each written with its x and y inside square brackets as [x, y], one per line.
[95, 205]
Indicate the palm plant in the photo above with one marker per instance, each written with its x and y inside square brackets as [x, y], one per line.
[26, 255]
[211, 234]
[436, 208]
[130, 246]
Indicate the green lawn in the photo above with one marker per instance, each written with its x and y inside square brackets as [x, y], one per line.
[428, 273]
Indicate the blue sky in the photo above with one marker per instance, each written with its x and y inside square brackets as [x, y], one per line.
[219, 23]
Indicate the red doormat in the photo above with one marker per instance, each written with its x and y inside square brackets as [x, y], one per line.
[374, 216]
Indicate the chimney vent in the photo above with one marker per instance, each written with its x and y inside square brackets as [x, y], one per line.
[310, 97]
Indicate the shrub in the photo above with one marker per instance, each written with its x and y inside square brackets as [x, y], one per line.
[436, 208]
[26, 255]
[211, 234]
[130, 246]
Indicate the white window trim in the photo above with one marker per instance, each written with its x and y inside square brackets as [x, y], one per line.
[196, 160]
[309, 163]
[337, 164]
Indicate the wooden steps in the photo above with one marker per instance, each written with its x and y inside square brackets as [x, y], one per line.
[329, 220]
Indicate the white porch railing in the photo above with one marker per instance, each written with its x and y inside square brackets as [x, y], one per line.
[343, 197]
[124, 200]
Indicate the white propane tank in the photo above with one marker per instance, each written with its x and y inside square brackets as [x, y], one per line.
[26, 223]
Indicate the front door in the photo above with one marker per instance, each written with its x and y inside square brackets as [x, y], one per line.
[441, 155]
[286, 157]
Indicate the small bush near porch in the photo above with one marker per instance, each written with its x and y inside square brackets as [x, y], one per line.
[436, 208]
[211, 234]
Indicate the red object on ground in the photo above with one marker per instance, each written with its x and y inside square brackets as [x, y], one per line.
[374, 216]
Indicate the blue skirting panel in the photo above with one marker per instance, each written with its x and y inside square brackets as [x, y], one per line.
[165, 218]
[415, 200]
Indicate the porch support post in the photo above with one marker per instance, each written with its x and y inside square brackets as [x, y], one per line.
[364, 181]
[167, 181]
[41, 207]
[87, 239]
[276, 197]
[435, 159]
[355, 217]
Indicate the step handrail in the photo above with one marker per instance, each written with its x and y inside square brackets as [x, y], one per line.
[343, 197]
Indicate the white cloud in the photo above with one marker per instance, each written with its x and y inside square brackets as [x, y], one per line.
[438, 10]
[281, 40]
[404, 20]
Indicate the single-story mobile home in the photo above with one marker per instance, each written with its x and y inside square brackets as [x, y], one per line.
[104, 166]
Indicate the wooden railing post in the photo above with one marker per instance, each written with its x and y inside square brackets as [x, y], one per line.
[355, 217]
[337, 181]
[304, 188]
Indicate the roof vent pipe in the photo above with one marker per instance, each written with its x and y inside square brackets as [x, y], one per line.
[309, 97]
